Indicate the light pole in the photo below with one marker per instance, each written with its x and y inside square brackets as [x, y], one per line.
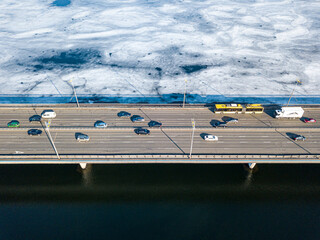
[74, 93]
[184, 94]
[193, 128]
[293, 91]
[49, 134]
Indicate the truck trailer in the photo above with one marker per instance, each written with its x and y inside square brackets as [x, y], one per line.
[289, 112]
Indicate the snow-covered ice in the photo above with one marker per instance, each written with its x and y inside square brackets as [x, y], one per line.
[144, 50]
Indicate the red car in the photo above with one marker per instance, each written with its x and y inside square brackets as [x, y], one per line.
[309, 120]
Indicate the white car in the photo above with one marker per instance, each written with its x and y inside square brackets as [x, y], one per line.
[210, 138]
[48, 114]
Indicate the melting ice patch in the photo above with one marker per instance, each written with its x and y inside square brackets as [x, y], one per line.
[61, 3]
[227, 50]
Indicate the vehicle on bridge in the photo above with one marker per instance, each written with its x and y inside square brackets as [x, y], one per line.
[154, 124]
[299, 138]
[228, 108]
[35, 118]
[142, 131]
[309, 120]
[232, 120]
[210, 137]
[254, 108]
[14, 124]
[124, 114]
[100, 124]
[137, 118]
[83, 137]
[34, 132]
[238, 108]
[48, 114]
[220, 124]
[289, 112]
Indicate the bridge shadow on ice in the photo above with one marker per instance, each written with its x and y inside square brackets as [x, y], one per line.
[155, 99]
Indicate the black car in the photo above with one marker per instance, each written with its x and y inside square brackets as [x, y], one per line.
[34, 132]
[142, 131]
[220, 124]
[154, 124]
[35, 118]
[124, 114]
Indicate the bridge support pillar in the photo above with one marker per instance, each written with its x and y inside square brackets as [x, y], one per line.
[83, 165]
[251, 165]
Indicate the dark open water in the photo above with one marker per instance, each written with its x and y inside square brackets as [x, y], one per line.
[159, 202]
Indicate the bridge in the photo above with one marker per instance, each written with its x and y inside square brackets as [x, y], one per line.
[256, 138]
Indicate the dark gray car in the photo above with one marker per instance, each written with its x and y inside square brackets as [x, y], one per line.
[142, 131]
[34, 132]
[124, 114]
[35, 118]
[220, 124]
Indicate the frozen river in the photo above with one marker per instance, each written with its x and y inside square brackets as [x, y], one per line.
[150, 51]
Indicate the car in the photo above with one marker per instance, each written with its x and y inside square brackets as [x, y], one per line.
[48, 114]
[142, 131]
[154, 124]
[13, 124]
[35, 118]
[299, 138]
[124, 114]
[137, 118]
[34, 132]
[232, 120]
[83, 137]
[220, 124]
[210, 137]
[100, 124]
[309, 120]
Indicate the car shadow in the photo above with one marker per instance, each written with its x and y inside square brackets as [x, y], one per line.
[77, 134]
[202, 135]
[214, 122]
[303, 118]
[291, 135]
[226, 118]
[271, 109]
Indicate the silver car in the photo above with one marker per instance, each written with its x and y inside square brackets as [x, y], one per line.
[83, 138]
[232, 120]
[137, 118]
[100, 124]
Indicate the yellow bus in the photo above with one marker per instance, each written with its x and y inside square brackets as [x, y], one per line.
[254, 108]
[228, 108]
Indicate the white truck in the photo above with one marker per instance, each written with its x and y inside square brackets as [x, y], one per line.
[289, 112]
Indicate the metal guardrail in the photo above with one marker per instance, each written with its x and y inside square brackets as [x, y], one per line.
[85, 106]
[159, 158]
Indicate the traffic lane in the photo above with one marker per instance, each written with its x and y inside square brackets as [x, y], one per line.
[88, 117]
[21, 143]
[169, 117]
[179, 142]
[159, 142]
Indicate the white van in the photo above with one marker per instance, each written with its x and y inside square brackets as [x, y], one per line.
[48, 114]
